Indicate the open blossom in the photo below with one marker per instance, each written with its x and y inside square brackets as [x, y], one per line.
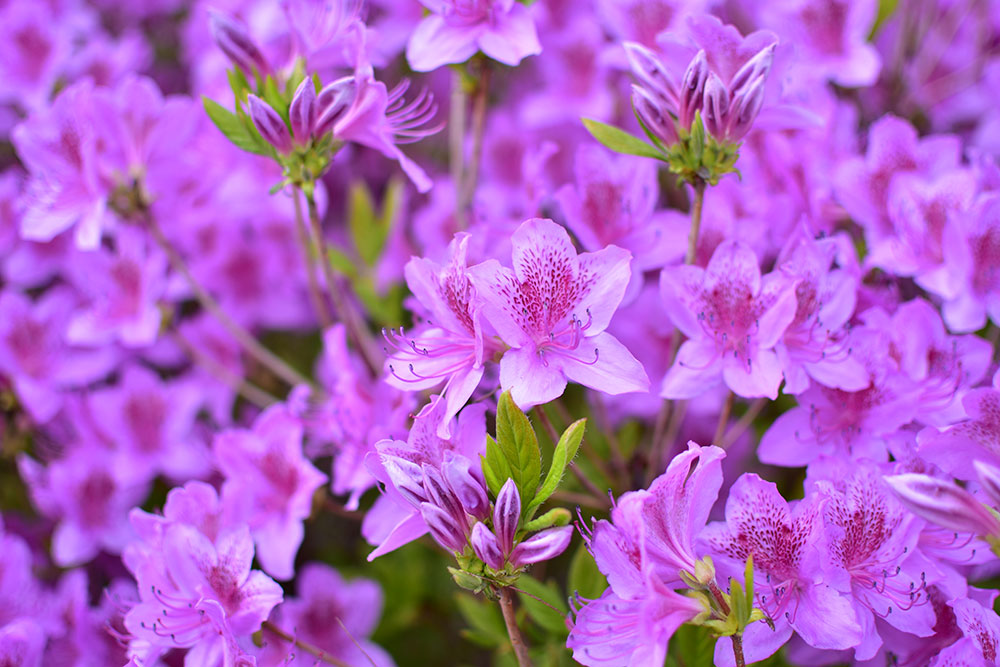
[456, 29]
[956, 448]
[732, 318]
[553, 309]
[269, 485]
[196, 586]
[451, 346]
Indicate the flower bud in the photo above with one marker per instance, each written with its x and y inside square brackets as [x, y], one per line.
[693, 89]
[746, 105]
[652, 115]
[332, 103]
[270, 125]
[443, 527]
[715, 107]
[542, 546]
[237, 44]
[944, 503]
[469, 490]
[439, 494]
[989, 479]
[648, 68]
[302, 112]
[485, 544]
[507, 515]
[758, 66]
[407, 477]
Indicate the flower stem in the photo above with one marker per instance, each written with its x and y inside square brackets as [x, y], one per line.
[743, 424]
[720, 428]
[309, 252]
[246, 340]
[355, 328]
[318, 653]
[724, 608]
[696, 207]
[456, 145]
[516, 640]
[244, 388]
[470, 176]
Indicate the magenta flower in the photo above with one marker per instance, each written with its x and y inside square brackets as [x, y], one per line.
[402, 468]
[269, 485]
[332, 614]
[796, 584]
[456, 29]
[732, 319]
[944, 503]
[22, 643]
[450, 347]
[553, 309]
[90, 502]
[980, 627]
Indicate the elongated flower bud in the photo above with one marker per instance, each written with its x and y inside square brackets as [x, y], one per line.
[469, 490]
[507, 515]
[332, 102]
[716, 106]
[944, 503]
[485, 544]
[758, 66]
[648, 68]
[443, 527]
[653, 116]
[302, 111]
[439, 494]
[269, 124]
[693, 89]
[237, 44]
[407, 477]
[989, 479]
[543, 546]
[745, 106]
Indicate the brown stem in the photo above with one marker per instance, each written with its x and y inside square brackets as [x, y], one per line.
[309, 252]
[720, 428]
[456, 146]
[471, 175]
[516, 640]
[246, 340]
[244, 388]
[696, 206]
[355, 328]
[318, 653]
[743, 424]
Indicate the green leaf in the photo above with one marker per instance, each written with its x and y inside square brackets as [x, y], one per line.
[584, 577]
[340, 262]
[557, 516]
[620, 141]
[566, 448]
[517, 442]
[274, 97]
[550, 610]
[234, 129]
[367, 230]
[495, 467]
[485, 619]
[238, 83]
[691, 645]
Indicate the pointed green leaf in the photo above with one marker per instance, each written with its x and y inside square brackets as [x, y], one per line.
[367, 232]
[566, 448]
[544, 604]
[234, 129]
[495, 467]
[484, 618]
[238, 83]
[557, 516]
[584, 577]
[517, 442]
[620, 141]
[273, 97]
[748, 581]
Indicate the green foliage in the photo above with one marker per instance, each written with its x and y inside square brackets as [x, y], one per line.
[235, 129]
[487, 628]
[565, 451]
[585, 579]
[370, 230]
[691, 646]
[620, 141]
[544, 604]
[701, 156]
[518, 446]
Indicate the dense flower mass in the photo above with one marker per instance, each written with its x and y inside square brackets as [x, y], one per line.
[623, 333]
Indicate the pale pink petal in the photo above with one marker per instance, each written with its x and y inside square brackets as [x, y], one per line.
[512, 37]
[601, 362]
[611, 273]
[695, 371]
[530, 380]
[435, 43]
[759, 377]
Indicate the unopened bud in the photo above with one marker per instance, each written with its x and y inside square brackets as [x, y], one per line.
[507, 515]
[944, 503]
[648, 68]
[715, 107]
[332, 103]
[485, 544]
[270, 125]
[302, 111]
[693, 89]
[758, 66]
[236, 43]
[652, 114]
[542, 546]
[746, 105]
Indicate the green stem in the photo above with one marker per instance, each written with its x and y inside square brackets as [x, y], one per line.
[470, 179]
[693, 231]
[456, 145]
[309, 253]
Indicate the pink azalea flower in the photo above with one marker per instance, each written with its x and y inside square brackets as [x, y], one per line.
[732, 319]
[22, 643]
[553, 309]
[456, 29]
[451, 347]
[976, 438]
[269, 485]
[797, 584]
